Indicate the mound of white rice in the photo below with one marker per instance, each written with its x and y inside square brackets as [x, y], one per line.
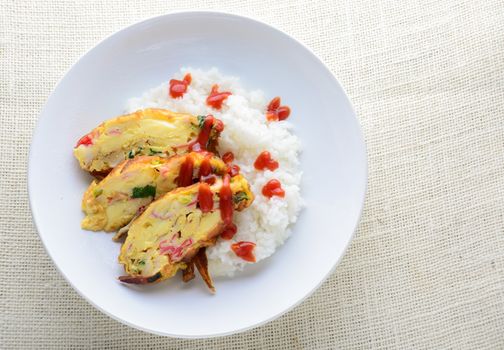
[247, 133]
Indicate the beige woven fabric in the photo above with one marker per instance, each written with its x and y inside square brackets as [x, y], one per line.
[426, 269]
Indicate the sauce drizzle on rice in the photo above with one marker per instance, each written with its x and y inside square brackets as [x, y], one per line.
[273, 188]
[264, 161]
[179, 87]
[244, 250]
[275, 112]
[216, 98]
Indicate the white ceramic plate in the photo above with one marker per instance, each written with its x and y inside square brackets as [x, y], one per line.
[142, 56]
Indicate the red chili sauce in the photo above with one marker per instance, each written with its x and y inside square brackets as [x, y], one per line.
[275, 112]
[205, 168]
[179, 87]
[228, 157]
[216, 98]
[85, 140]
[201, 142]
[273, 188]
[226, 201]
[244, 250]
[229, 232]
[205, 197]
[233, 170]
[185, 177]
[264, 161]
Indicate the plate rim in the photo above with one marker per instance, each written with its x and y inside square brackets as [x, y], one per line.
[204, 13]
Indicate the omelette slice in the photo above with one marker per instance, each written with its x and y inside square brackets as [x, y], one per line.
[167, 236]
[146, 132]
[114, 201]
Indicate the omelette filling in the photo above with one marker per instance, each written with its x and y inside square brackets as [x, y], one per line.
[146, 132]
[167, 236]
[113, 202]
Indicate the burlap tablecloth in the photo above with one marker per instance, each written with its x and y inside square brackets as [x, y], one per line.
[426, 268]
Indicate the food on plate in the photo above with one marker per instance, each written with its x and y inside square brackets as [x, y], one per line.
[259, 142]
[170, 232]
[150, 131]
[183, 167]
[113, 202]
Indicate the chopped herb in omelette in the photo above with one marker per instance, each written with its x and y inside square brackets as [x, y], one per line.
[143, 192]
[201, 121]
[240, 196]
[154, 151]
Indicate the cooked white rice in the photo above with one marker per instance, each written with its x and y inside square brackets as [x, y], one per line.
[267, 222]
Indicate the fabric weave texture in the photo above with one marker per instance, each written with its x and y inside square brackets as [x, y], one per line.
[426, 267]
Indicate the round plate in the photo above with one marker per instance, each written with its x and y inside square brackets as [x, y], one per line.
[142, 56]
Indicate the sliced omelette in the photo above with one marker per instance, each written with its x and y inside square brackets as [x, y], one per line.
[146, 132]
[113, 202]
[168, 235]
